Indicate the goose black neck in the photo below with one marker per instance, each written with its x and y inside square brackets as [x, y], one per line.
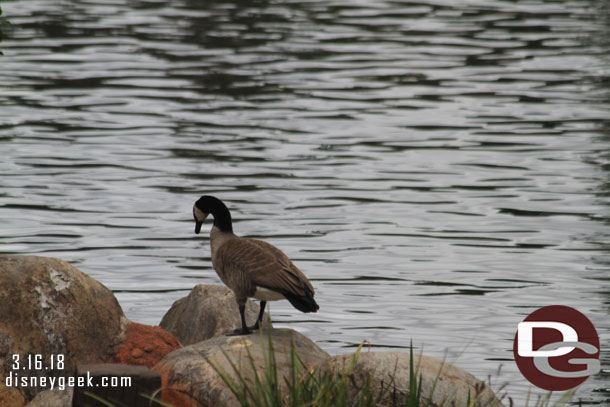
[222, 216]
[222, 219]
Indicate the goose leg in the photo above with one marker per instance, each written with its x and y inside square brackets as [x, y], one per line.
[259, 320]
[244, 330]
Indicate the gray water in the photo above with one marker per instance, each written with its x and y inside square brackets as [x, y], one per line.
[439, 169]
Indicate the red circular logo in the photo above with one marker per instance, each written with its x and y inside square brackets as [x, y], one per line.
[556, 348]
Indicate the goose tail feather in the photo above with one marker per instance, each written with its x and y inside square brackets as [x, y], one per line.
[304, 303]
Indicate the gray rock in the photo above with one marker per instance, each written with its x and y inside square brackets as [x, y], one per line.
[53, 398]
[51, 309]
[208, 311]
[442, 383]
[189, 378]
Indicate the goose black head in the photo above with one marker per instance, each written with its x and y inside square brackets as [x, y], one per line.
[207, 205]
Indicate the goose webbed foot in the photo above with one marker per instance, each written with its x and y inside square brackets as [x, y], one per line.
[240, 331]
[254, 327]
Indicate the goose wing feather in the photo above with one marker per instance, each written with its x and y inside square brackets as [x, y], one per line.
[264, 265]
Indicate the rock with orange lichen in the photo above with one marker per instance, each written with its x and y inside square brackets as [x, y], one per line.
[145, 345]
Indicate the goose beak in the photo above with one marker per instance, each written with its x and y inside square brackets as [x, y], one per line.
[199, 218]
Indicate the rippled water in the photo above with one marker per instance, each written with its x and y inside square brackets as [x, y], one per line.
[438, 169]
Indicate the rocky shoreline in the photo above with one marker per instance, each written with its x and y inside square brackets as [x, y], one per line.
[50, 308]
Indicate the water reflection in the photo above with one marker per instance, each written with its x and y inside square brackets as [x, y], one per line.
[433, 166]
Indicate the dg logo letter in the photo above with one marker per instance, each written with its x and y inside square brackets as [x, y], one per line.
[556, 348]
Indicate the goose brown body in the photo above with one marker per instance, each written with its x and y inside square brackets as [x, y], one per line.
[251, 267]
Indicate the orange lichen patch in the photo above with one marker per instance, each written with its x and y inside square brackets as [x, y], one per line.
[145, 345]
[174, 395]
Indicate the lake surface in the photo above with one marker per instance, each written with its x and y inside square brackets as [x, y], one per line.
[439, 169]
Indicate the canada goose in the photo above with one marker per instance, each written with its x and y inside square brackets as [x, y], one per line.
[251, 267]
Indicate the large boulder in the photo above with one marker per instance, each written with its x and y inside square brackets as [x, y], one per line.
[50, 308]
[189, 379]
[441, 383]
[208, 311]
